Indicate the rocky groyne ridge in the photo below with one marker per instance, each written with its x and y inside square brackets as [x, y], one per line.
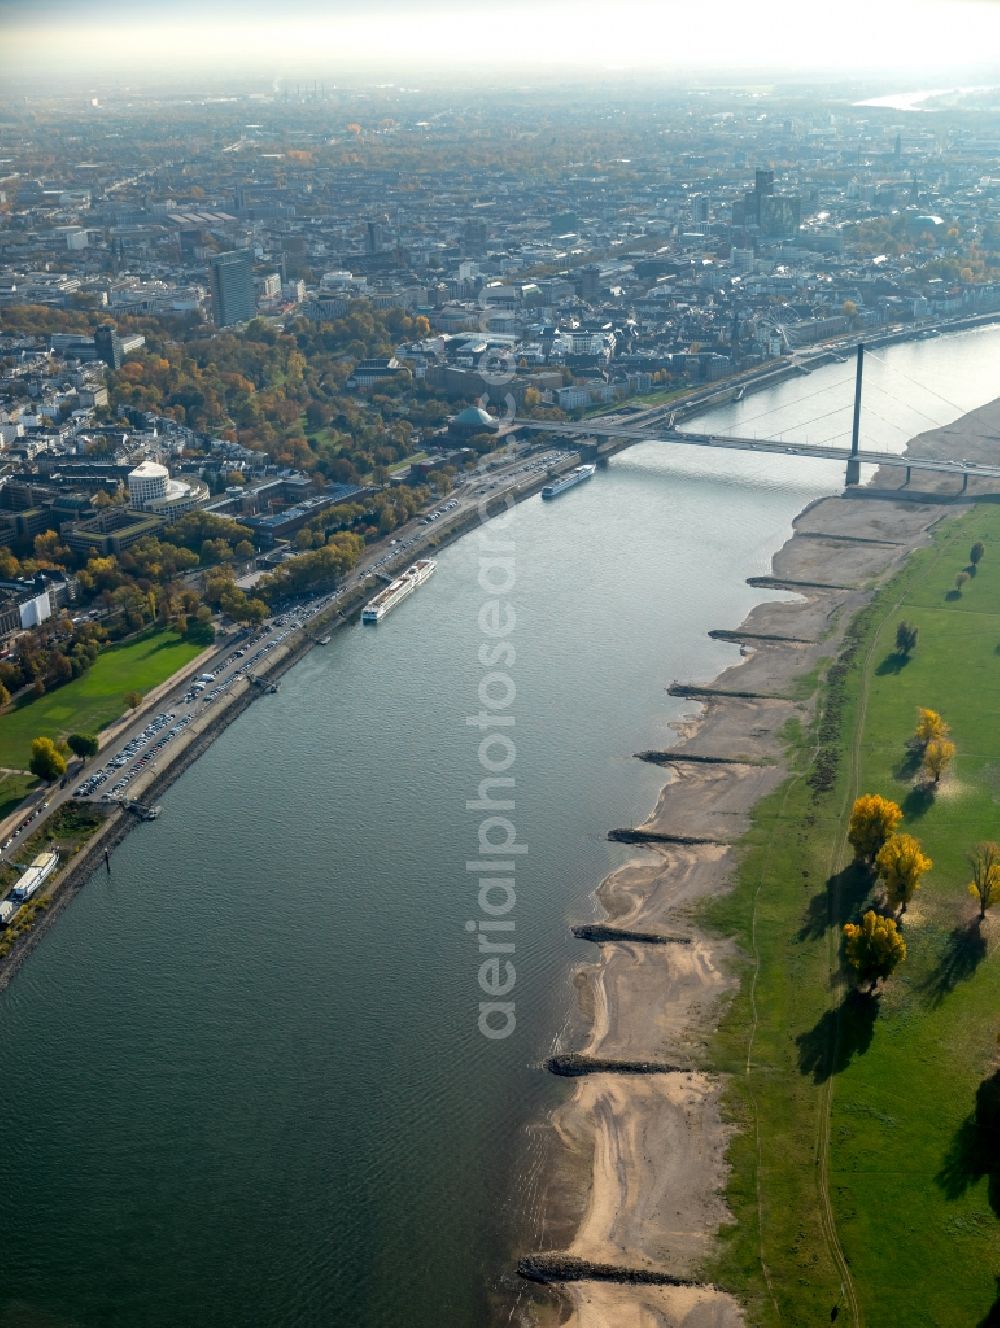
[681, 757]
[698, 692]
[573, 1064]
[563, 1268]
[643, 836]
[600, 932]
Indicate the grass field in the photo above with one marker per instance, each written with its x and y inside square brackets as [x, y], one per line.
[14, 788]
[407, 461]
[91, 702]
[861, 1181]
[326, 436]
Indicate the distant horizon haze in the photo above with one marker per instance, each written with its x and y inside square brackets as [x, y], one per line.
[914, 38]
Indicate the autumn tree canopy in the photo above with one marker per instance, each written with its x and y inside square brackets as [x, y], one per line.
[47, 761]
[930, 726]
[900, 864]
[938, 756]
[873, 948]
[985, 883]
[873, 820]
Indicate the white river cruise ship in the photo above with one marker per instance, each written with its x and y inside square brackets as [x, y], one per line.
[567, 481]
[397, 590]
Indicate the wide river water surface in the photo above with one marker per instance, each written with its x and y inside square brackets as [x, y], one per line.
[242, 1079]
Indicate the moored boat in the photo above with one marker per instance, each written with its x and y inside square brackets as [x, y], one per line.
[396, 591]
[567, 481]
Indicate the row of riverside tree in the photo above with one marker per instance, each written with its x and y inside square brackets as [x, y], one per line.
[874, 947]
[931, 740]
[962, 578]
[906, 639]
[48, 759]
[896, 859]
[985, 883]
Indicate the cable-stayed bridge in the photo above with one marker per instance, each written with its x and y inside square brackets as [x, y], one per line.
[854, 456]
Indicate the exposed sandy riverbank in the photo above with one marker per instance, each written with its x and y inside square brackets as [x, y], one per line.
[637, 1161]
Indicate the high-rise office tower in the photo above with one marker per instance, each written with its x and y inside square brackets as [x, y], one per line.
[780, 215]
[108, 345]
[233, 294]
[588, 281]
[475, 236]
[753, 201]
[374, 237]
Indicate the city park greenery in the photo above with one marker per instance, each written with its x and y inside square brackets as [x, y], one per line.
[862, 1049]
[277, 390]
[96, 698]
[84, 745]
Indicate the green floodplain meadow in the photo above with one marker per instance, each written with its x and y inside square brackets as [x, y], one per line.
[864, 1188]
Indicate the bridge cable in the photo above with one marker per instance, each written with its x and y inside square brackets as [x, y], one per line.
[870, 410]
[905, 404]
[920, 415]
[843, 433]
[923, 386]
[789, 404]
[899, 427]
[838, 410]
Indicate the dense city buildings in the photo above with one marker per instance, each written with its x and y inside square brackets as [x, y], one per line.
[697, 244]
[317, 317]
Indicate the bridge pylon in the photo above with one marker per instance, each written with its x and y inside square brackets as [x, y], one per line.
[853, 465]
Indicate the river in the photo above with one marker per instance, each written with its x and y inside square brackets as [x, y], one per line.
[916, 101]
[243, 1081]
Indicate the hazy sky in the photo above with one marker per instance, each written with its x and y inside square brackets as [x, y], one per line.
[914, 36]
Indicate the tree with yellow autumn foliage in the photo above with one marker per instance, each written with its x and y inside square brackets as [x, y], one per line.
[874, 948]
[938, 756]
[873, 820]
[985, 883]
[930, 727]
[900, 863]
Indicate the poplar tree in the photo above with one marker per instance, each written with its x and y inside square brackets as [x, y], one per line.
[873, 820]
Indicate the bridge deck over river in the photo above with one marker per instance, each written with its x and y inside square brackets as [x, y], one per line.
[601, 430]
[650, 430]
